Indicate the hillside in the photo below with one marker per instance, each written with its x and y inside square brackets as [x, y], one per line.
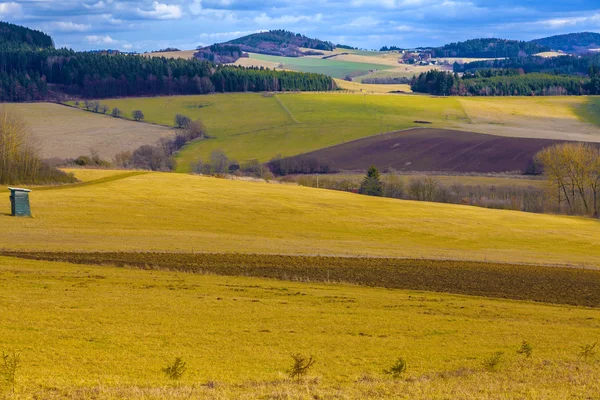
[571, 42]
[425, 149]
[280, 43]
[185, 213]
[15, 36]
[488, 48]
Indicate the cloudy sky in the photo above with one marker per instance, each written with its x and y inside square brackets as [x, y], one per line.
[137, 25]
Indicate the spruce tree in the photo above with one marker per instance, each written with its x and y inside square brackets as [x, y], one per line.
[371, 185]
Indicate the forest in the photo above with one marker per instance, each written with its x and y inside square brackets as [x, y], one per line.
[505, 83]
[565, 65]
[31, 69]
[220, 53]
[488, 48]
[572, 42]
[281, 43]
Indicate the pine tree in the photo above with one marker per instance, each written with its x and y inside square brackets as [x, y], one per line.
[371, 185]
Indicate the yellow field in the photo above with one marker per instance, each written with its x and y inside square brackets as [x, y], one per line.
[375, 89]
[550, 54]
[65, 132]
[185, 54]
[566, 117]
[253, 62]
[181, 213]
[90, 332]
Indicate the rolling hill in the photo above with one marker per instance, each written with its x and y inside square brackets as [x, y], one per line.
[488, 48]
[280, 43]
[185, 213]
[572, 42]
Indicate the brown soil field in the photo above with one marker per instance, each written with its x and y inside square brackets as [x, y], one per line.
[424, 149]
[65, 132]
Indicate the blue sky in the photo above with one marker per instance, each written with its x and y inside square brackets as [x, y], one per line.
[136, 25]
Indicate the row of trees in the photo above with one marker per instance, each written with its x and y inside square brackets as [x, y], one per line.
[49, 74]
[564, 65]
[447, 84]
[488, 48]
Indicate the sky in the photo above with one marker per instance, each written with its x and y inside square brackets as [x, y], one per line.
[135, 25]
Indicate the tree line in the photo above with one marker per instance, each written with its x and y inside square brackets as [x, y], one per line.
[562, 65]
[441, 83]
[488, 48]
[55, 74]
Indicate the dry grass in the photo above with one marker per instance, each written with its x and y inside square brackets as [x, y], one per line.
[253, 62]
[550, 54]
[65, 132]
[181, 213]
[543, 118]
[185, 54]
[375, 89]
[87, 332]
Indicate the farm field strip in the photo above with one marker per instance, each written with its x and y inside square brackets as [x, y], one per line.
[66, 132]
[254, 126]
[185, 213]
[85, 331]
[571, 286]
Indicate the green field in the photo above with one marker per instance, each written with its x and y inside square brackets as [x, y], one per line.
[90, 332]
[260, 126]
[331, 67]
[185, 213]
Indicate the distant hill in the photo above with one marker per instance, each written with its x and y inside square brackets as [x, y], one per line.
[572, 42]
[17, 36]
[489, 48]
[280, 43]
[221, 53]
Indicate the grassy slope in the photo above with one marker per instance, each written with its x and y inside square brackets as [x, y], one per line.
[249, 125]
[331, 67]
[167, 212]
[100, 332]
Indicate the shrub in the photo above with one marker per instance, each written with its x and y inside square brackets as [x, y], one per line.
[397, 369]
[525, 349]
[181, 121]
[103, 108]
[588, 351]
[300, 366]
[176, 370]
[150, 157]
[116, 113]
[138, 115]
[492, 362]
[9, 366]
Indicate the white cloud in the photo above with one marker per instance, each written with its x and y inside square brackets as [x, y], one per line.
[162, 11]
[71, 26]
[10, 9]
[101, 40]
[265, 19]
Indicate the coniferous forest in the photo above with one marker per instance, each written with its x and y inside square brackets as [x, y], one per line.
[31, 69]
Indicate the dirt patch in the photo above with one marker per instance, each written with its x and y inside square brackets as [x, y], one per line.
[424, 149]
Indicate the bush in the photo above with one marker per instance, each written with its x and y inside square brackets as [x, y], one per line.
[397, 369]
[181, 121]
[116, 113]
[300, 366]
[588, 351]
[492, 362]
[138, 115]
[176, 370]
[525, 349]
[150, 157]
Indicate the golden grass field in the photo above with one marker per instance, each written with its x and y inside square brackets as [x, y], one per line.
[88, 332]
[185, 54]
[184, 213]
[65, 132]
[373, 89]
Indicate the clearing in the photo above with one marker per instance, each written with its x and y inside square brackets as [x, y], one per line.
[65, 132]
[181, 213]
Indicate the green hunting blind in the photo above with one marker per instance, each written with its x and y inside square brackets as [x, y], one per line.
[19, 202]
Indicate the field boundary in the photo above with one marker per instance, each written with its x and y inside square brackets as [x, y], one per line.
[287, 110]
[99, 181]
[556, 285]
